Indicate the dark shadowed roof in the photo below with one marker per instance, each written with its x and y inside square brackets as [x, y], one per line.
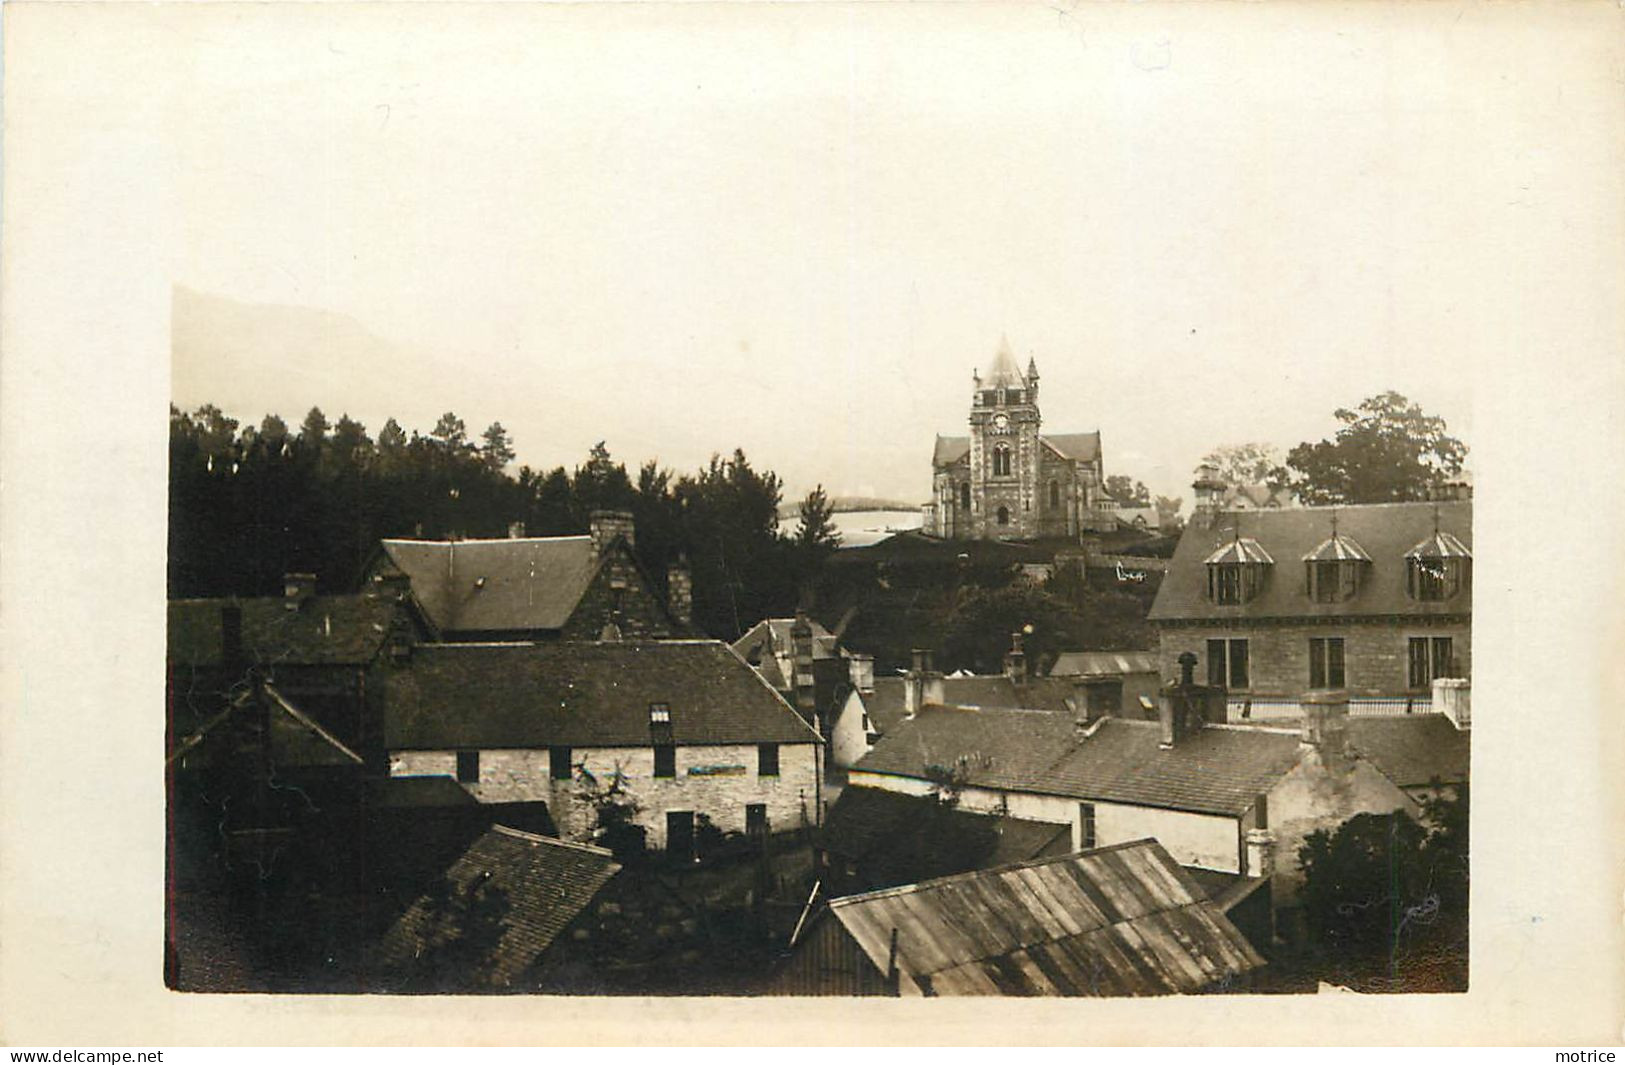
[326, 630]
[1413, 751]
[1217, 770]
[885, 705]
[1123, 920]
[518, 584]
[530, 886]
[1084, 663]
[581, 695]
[950, 449]
[1385, 531]
[901, 839]
[772, 636]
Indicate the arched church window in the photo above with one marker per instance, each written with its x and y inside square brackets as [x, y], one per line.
[964, 495]
[1004, 515]
[1001, 461]
[1054, 494]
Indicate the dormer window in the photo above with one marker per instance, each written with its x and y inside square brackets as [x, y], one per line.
[1438, 568]
[1334, 571]
[659, 713]
[1235, 572]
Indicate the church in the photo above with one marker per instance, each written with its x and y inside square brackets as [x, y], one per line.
[1007, 480]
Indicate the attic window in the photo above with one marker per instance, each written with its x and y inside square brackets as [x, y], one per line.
[1438, 568]
[1334, 571]
[1235, 572]
[659, 713]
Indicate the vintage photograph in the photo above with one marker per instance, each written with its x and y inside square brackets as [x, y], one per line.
[671, 506]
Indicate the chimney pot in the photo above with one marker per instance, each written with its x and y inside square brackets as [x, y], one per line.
[1260, 853]
[1187, 669]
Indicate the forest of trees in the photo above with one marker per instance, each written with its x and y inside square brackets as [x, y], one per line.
[250, 503]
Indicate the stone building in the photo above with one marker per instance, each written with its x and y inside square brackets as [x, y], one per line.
[538, 588]
[1007, 480]
[681, 728]
[1375, 599]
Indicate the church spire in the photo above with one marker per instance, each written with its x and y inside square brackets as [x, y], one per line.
[1004, 372]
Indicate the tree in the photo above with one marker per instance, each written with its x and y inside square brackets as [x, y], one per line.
[450, 432]
[1387, 451]
[816, 534]
[314, 429]
[392, 438]
[1250, 463]
[273, 429]
[1168, 511]
[498, 449]
[1127, 491]
[1386, 897]
[979, 630]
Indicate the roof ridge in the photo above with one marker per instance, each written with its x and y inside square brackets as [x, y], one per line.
[532, 837]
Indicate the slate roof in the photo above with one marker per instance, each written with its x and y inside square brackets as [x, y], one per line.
[1218, 770]
[536, 885]
[521, 584]
[950, 449]
[527, 695]
[1004, 373]
[1415, 750]
[1082, 663]
[885, 705]
[772, 635]
[1123, 920]
[326, 630]
[1386, 531]
[900, 839]
[1080, 447]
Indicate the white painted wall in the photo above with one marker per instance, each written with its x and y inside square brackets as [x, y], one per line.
[523, 775]
[849, 739]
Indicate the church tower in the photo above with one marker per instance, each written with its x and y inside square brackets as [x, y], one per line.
[1004, 448]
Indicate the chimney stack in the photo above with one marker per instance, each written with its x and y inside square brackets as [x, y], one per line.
[1260, 853]
[1182, 708]
[606, 525]
[297, 589]
[1015, 661]
[680, 592]
[1325, 722]
[1453, 697]
[801, 650]
[861, 672]
[921, 684]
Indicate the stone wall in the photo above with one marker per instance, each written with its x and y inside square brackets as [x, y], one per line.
[1376, 654]
[716, 781]
[618, 582]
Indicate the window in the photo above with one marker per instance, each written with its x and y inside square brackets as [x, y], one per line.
[1004, 515]
[756, 819]
[468, 767]
[665, 760]
[1235, 572]
[1001, 461]
[659, 713]
[1334, 582]
[964, 495]
[1225, 584]
[767, 760]
[1326, 662]
[1086, 826]
[1227, 663]
[559, 763]
[1434, 579]
[1054, 495]
[1431, 657]
[1014, 395]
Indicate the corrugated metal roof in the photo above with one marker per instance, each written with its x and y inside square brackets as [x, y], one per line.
[1081, 663]
[1123, 920]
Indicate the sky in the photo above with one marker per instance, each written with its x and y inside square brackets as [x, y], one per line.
[797, 229]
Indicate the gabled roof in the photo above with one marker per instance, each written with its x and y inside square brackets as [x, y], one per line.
[772, 636]
[1079, 447]
[1386, 531]
[1261, 496]
[522, 584]
[1413, 751]
[1218, 770]
[885, 705]
[326, 630]
[900, 839]
[296, 739]
[530, 886]
[1123, 920]
[1084, 663]
[528, 695]
[950, 449]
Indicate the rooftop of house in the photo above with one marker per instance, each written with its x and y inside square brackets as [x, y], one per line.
[1413, 751]
[1085, 663]
[1123, 920]
[900, 839]
[886, 704]
[321, 630]
[771, 636]
[1383, 531]
[529, 695]
[1220, 769]
[295, 738]
[530, 886]
[512, 585]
